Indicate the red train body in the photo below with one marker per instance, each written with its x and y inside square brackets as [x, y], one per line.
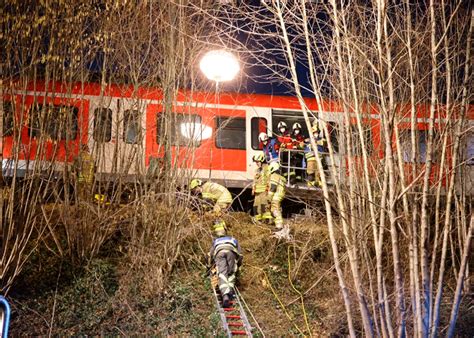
[214, 136]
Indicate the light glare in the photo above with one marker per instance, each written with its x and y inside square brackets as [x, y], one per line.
[219, 65]
[196, 131]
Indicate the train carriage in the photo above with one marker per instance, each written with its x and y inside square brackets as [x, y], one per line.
[132, 132]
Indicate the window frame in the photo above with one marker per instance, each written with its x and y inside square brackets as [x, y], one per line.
[289, 117]
[255, 131]
[178, 119]
[50, 127]
[368, 137]
[469, 160]
[334, 134]
[222, 123]
[108, 122]
[8, 119]
[405, 139]
[128, 118]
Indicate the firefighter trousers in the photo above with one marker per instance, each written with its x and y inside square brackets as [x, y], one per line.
[226, 265]
[260, 203]
[275, 204]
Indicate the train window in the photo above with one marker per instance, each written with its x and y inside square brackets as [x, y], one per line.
[470, 149]
[334, 135]
[131, 126]
[422, 137]
[356, 145]
[230, 132]
[102, 124]
[7, 118]
[257, 126]
[182, 130]
[290, 118]
[56, 122]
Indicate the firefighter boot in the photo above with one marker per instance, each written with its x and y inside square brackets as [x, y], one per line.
[225, 301]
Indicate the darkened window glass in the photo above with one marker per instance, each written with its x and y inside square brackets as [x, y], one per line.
[355, 140]
[470, 148]
[257, 126]
[54, 122]
[333, 129]
[7, 118]
[230, 132]
[102, 124]
[131, 126]
[421, 147]
[289, 118]
[181, 130]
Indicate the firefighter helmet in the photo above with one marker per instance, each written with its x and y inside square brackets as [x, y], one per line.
[259, 157]
[315, 128]
[219, 228]
[282, 124]
[195, 183]
[263, 137]
[274, 166]
[296, 126]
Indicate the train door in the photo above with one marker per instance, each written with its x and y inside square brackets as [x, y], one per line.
[333, 121]
[104, 129]
[469, 159]
[258, 121]
[131, 129]
[293, 160]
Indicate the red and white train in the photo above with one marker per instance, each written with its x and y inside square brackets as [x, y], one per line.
[213, 135]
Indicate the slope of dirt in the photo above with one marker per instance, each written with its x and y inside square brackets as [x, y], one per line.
[52, 297]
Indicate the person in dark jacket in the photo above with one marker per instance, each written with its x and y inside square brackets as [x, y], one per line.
[225, 255]
[270, 147]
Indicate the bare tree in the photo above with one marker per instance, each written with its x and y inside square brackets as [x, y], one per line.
[410, 65]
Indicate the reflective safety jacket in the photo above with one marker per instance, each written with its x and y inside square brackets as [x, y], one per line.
[285, 140]
[271, 150]
[261, 179]
[216, 193]
[84, 167]
[320, 143]
[298, 141]
[227, 243]
[277, 185]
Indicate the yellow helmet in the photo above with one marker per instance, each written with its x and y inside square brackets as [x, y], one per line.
[195, 183]
[259, 157]
[274, 166]
[219, 228]
[315, 128]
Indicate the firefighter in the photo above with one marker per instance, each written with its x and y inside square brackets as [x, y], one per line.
[225, 259]
[276, 193]
[284, 139]
[213, 193]
[311, 170]
[84, 169]
[270, 147]
[259, 189]
[298, 145]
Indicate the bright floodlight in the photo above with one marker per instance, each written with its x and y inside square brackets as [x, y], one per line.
[219, 65]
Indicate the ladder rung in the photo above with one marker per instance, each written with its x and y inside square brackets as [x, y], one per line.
[235, 324]
[228, 309]
[239, 332]
[232, 317]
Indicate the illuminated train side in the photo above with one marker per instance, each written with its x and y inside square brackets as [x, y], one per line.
[213, 137]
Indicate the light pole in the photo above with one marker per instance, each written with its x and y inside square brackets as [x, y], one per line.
[219, 66]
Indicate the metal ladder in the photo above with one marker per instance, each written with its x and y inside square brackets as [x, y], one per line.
[234, 320]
